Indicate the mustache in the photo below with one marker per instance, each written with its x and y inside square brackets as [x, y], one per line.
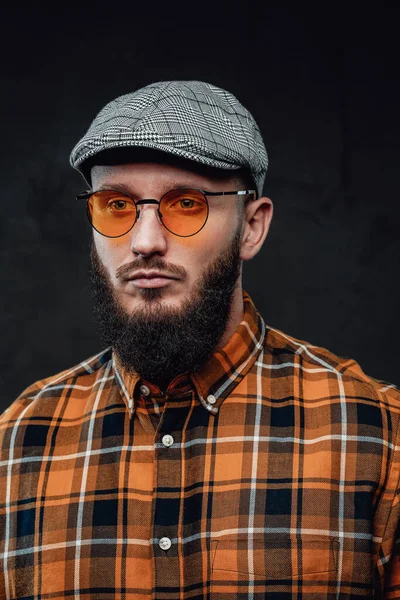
[154, 262]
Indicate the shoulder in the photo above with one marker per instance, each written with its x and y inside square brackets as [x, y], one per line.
[50, 390]
[326, 372]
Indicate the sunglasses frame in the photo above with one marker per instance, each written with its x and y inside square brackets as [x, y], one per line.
[88, 193]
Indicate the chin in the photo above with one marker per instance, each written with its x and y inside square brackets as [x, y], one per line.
[150, 297]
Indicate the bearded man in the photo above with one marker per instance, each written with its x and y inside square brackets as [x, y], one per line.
[203, 453]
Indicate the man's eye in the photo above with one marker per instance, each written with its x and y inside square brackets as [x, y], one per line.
[118, 204]
[187, 203]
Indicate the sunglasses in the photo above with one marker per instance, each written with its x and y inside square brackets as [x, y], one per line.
[182, 211]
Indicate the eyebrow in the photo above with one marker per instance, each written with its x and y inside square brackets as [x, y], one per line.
[126, 189]
[117, 187]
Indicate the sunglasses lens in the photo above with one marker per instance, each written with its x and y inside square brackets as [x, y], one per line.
[110, 213]
[184, 211]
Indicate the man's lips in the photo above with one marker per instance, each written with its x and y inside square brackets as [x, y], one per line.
[151, 279]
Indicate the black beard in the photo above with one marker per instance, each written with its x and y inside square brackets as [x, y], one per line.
[160, 342]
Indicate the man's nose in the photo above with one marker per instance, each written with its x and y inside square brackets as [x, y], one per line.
[148, 235]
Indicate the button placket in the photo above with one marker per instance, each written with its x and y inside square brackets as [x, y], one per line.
[170, 460]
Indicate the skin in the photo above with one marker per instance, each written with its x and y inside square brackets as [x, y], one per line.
[149, 238]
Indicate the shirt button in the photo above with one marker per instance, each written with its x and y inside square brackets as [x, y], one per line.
[167, 440]
[211, 399]
[144, 390]
[165, 543]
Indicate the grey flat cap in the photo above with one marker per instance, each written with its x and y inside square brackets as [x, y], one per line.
[189, 119]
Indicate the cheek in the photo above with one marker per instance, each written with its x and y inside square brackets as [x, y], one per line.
[216, 237]
[110, 251]
[199, 248]
[197, 255]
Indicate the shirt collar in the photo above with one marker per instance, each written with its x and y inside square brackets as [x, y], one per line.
[219, 375]
[216, 379]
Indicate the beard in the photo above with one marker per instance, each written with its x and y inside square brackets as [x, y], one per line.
[159, 341]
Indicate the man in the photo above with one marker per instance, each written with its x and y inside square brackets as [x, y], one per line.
[203, 454]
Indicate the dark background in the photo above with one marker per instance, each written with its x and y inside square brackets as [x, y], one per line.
[323, 85]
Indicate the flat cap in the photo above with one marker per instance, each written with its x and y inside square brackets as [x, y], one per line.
[189, 119]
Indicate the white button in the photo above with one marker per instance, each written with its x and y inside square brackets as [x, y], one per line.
[165, 543]
[144, 390]
[211, 399]
[167, 440]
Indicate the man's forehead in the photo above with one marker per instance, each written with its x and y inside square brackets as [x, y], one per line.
[164, 172]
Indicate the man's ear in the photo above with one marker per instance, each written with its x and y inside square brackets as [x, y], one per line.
[258, 216]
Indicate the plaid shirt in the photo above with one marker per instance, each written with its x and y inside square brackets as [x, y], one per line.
[272, 472]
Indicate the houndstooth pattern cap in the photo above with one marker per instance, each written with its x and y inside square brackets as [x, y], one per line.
[189, 119]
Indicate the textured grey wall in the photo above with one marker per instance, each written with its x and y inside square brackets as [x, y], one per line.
[324, 89]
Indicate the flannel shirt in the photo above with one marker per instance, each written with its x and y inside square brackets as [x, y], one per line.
[271, 472]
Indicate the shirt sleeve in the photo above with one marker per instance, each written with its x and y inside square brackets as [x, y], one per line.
[7, 422]
[387, 557]
[392, 579]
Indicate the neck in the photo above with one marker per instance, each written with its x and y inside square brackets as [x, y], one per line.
[235, 317]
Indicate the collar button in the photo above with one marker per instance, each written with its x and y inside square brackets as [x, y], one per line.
[145, 390]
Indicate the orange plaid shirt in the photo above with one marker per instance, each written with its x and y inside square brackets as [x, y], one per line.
[272, 472]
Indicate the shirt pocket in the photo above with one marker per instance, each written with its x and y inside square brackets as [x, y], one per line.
[275, 564]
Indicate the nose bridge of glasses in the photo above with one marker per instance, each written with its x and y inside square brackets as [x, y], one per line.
[147, 201]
